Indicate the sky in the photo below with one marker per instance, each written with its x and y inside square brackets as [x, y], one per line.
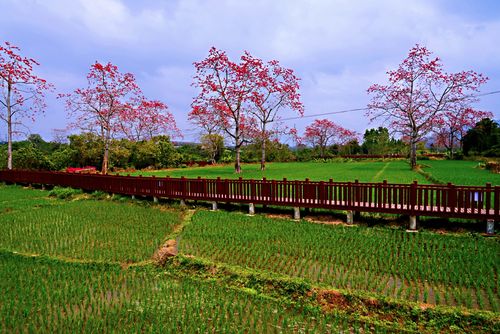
[338, 48]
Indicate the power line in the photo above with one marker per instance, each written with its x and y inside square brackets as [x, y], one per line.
[325, 113]
[366, 108]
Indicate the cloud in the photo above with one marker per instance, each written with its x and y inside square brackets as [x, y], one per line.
[338, 48]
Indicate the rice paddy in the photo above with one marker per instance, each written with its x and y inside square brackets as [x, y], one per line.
[422, 267]
[87, 265]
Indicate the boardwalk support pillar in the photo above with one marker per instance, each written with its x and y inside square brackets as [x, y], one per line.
[350, 217]
[155, 199]
[214, 206]
[296, 213]
[413, 224]
[251, 209]
[182, 203]
[490, 227]
[133, 197]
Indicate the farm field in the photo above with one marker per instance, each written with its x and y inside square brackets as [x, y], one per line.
[423, 267]
[394, 171]
[74, 298]
[83, 229]
[82, 264]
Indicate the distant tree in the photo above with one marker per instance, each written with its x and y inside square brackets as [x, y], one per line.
[484, 138]
[276, 88]
[23, 92]
[87, 148]
[213, 144]
[376, 141]
[323, 132]
[453, 125]
[419, 93]
[225, 89]
[146, 119]
[102, 105]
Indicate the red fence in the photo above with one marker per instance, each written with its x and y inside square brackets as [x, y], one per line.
[473, 202]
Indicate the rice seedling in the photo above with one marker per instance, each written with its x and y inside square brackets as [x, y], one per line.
[46, 296]
[87, 230]
[356, 258]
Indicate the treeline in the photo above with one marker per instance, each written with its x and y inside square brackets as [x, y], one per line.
[160, 152]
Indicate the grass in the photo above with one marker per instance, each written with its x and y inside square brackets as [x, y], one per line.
[235, 274]
[45, 296]
[423, 267]
[394, 171]
[82, 229]
[460, 172]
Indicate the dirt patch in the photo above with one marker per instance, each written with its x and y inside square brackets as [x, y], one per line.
[326, 220]
[331, 299]
[167, 250]
[425, 306]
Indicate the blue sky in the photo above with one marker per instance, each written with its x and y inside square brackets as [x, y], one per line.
[338, 48]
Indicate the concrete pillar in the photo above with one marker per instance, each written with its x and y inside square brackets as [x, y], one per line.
[490, 227]
[214, 206]
[350, 217]
[155, 199]
[251, 209]
[182, 203]
[43, 186]
[296, 213]
[413, 223]
[133, 197]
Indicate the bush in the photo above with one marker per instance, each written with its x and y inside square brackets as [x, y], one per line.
[64, 193]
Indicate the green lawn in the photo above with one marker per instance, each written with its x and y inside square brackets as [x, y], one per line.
[424, 267]
[398, 171]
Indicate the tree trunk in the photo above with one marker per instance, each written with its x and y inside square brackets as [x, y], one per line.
[9, 128]
[413, 153]
[263, 156]
[237, 165]
[451, 146]
[106, 154]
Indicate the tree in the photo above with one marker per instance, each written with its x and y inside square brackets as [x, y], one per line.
[101, 107]
[23, 92]
[276, 88]
[323, 132]
[147, 119]
[376, 141]
[213, 144]
[419, 92]
[225, 89]
[484, 138]
[452, 126]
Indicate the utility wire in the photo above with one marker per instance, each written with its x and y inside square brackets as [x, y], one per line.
[366, 108]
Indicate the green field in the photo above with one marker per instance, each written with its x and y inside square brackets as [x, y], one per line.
[423, 267]
[87, 265]
[83, 229]
[44, 296]
[395, 171]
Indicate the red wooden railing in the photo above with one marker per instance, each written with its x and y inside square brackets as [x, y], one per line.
[473, 202]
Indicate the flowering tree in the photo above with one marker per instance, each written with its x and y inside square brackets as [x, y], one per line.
[323, 133]
[146, 119]
[101, 106]
[225, 89]
[23, 92]
[275, 88]
[452, 126]
[419, 92]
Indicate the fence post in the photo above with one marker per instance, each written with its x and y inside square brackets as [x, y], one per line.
[183, 191]
[413, 203]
